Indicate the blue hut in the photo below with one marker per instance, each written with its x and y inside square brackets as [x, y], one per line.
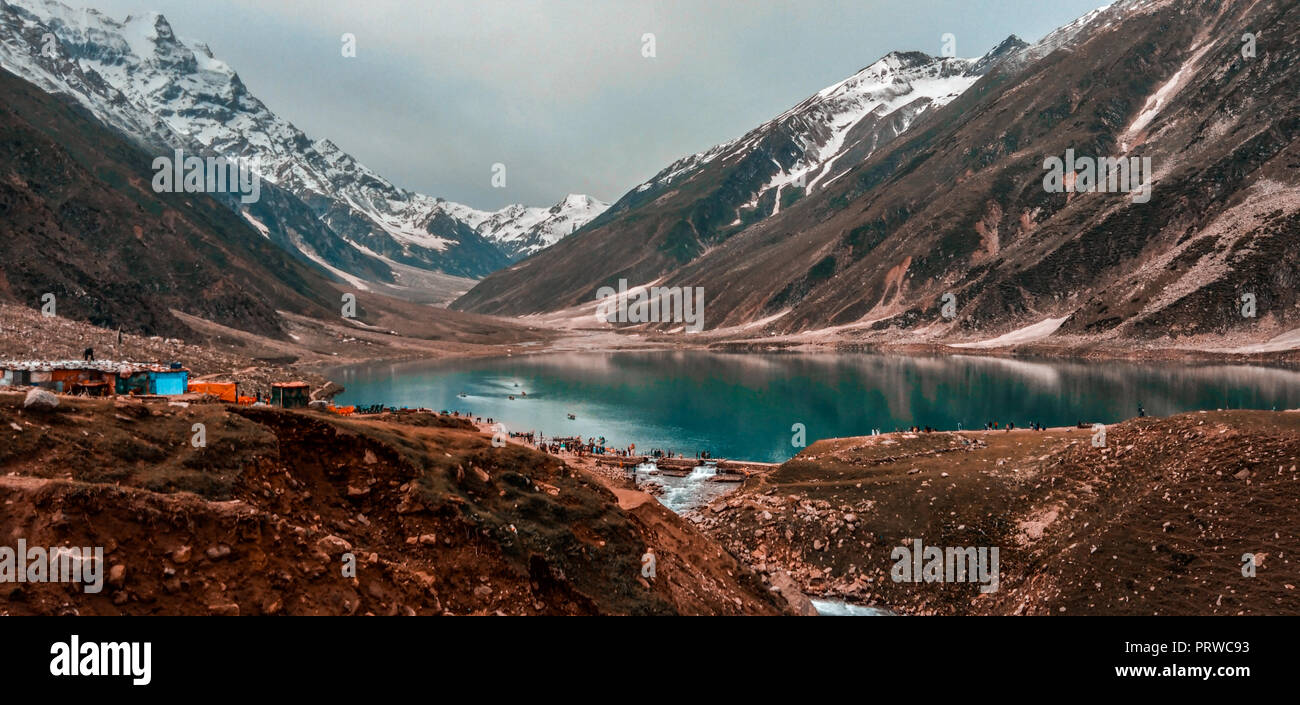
[153, 379]
[174, 381]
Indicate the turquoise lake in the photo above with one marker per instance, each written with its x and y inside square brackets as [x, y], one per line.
[744, 406]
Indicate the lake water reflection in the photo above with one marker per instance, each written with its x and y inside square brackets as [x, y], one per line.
[744, 405]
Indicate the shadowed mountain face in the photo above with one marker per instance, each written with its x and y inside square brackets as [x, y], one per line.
[958, 204]
[80, 220]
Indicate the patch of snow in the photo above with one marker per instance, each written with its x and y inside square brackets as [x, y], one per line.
[524, 230]
[261, 227]
[1162, 96]
[1028, 334]
[1289, 340]
[823, 122]
[310, 253]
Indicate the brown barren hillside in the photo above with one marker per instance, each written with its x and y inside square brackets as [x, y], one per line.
[259, 521]
[1156, 522]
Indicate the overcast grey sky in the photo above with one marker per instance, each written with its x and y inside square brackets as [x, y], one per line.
[558, 90]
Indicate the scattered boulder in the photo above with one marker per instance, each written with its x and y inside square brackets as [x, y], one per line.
[224, 609]
[411, 504]
[799, 602]
[218, 552]
[41, 400]
[333, 545]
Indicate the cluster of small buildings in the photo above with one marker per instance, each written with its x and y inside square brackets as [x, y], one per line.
[107, 378]
[93, 378]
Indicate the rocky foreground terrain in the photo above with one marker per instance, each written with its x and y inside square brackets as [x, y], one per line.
[265, 517]
[1156, 522]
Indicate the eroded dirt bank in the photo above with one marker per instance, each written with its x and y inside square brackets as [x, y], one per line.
[260, 521]
[1156, 522]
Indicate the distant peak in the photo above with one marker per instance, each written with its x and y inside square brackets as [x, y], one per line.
[896, 60]
[1008, 47]
[1010, 44]
[578, 199]
[156, 20]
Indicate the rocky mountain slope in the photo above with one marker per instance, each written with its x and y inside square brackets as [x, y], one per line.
[140, 78]
[957, 204]
[700, 201]
[80, 221]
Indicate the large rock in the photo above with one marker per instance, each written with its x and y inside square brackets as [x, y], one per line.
[799, 602]
[41, 400]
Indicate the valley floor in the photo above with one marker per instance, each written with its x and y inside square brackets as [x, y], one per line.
[222, 353]
[1284, 348]
[575, 330]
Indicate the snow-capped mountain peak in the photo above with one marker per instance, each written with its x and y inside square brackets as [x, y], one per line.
[168, 93]
[523, 230]
[818, 140]
[697, 203]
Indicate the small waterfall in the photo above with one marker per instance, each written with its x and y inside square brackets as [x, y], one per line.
[682, 493]
[702, 473]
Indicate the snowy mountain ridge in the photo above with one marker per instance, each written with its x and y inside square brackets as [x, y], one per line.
[137, 76]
